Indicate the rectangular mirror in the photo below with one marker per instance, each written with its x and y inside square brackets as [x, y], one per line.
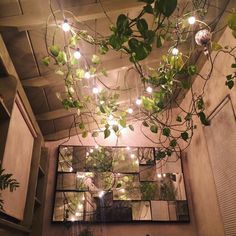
[114, 184]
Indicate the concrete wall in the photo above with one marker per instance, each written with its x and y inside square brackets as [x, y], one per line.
[203, 204]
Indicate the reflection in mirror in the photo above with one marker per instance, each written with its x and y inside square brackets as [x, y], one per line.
[113, 184]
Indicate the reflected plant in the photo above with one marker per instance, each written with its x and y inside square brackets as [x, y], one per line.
[6, 182]
[149, 191]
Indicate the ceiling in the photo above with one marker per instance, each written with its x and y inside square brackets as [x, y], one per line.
[22, 25]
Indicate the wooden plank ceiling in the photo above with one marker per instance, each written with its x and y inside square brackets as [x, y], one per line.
[22, 28]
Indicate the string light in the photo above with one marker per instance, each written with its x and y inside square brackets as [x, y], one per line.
[149, 89]
[91, 150]
[101, 194]
[191, 20]
[73, 219]
[132, 156]
[175, 51]
[138, 101]
[159, 176]
[65, 26]
[87, 75]
[95, 90]
[130, 110]
[77, 54]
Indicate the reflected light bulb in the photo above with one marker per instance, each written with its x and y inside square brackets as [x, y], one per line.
[191, 20]
[77, 54]
[138, 101]
[159, 176]
[65, 26]
[95, 90]
[130, 110]
[149, 89]
[175, 51]
[101, 194]
[87, 75]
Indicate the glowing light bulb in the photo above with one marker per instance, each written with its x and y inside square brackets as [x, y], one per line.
[132, 156]
[87, 75]
[65, 26]
[95, 90]
[191, 20]
[122, 190]
[128, 148]
[130, 110]
[101, 194]
[149, 89]
[164, 175]
[96, 146]
[91, 150]
[137, 162]
[77, 54]
[175, 51]
[80, 206]
[102, 102]
[138, 101]
[71, 169]
[87, 153]
[78, 214]
[159, 176]
[72, 219]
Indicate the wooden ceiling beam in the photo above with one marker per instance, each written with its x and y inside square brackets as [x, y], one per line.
[56, 114]
[37, 18]
[109, 66]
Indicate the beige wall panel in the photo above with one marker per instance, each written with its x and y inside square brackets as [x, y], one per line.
[17, 160]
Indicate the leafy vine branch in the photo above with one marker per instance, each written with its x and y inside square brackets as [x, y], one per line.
[171, 28]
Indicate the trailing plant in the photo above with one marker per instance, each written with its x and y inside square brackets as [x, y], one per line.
[6, 182]
[162, 87]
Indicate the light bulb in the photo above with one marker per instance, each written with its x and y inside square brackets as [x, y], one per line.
[159, 176]
[101, 194]
[65, 26]
[87, 75]
[71, 169]
[132, 156]
[72, 219]
[128, 148]
[77, 54]
[95, 90]
[175, 51]
[149, 89]
[91, 150]
[96, 146]
[138, 101]
[130, 110]
[191, 20]
[164, 175]
[80, 206]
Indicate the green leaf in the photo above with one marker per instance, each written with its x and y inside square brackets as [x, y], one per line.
[95, 134]
[115, 128]
[173, 143]
[118, 185]
[148, 9]
[184, 136]
[95, 59]
[103, 49]
[81, 125]
[233, 65]
[102, 109]
[192, 70]
[166, 7]
[61, 58]
[54, 49]
[232, 21]
[46, 61]
[203, 118]
[122, 122]
[188, 117]
[80, 73]
[144, 123]
[154, 129]
[159, 41]
[74, 61]
[230, 84]
[215, 46]
[142, 26]
[131, 127]
[166, 132]
[179, 119]
[85, 134]
[107, 133]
